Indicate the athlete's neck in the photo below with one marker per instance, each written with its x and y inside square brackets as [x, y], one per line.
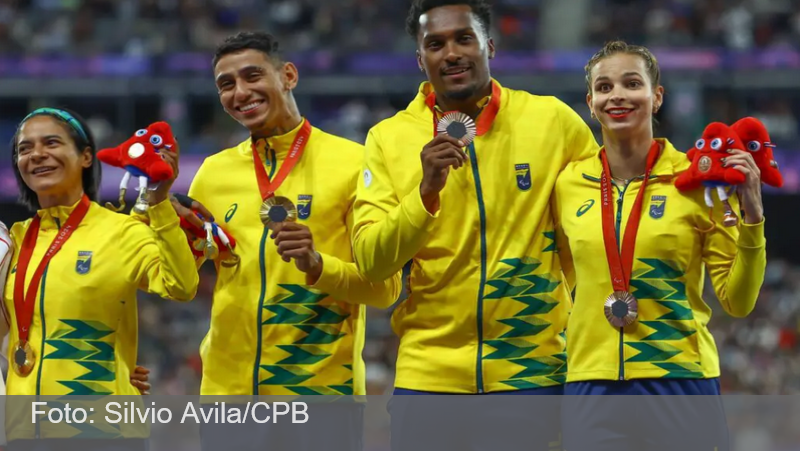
[63, 199]
[469, 106]
[627, 155]
[281, 125]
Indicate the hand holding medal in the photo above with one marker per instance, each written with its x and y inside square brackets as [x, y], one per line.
[205, 236]
[454, 131]
[295, 242]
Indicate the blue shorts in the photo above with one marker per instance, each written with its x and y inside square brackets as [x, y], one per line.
[476, 422]
[662, 414]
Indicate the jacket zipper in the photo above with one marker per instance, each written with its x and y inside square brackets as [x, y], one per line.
[482, 211]
[44, 334]
[259, 328]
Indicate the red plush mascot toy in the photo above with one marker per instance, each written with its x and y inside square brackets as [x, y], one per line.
[139, 156]
[756, 140]
[707, 169]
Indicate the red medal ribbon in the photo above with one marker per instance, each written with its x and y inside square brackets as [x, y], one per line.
[485, 119]
[23, 302]
[621, 266]
[267, 187]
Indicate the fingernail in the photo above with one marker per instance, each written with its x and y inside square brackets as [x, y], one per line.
[461, 143]
[730, 150]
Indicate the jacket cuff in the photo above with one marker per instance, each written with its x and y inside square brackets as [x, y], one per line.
[329, 278]
[415, 211]
[163, 216]
[752, 236]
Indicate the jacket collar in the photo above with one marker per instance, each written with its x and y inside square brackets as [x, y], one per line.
[420, 110]
[53, 218]
[279, 144]
[670, 162]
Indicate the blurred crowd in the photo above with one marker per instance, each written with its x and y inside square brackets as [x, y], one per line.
[159, 26]
[734, 24]
[759, 354]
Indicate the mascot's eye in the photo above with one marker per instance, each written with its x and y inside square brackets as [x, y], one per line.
[754, 146]
[716, 143]
[700, 143]
[141, 132]
[156, 140]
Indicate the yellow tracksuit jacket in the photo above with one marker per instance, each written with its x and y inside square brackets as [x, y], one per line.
[671, 338]
[270, 333]
[84, 331]
[487, 306]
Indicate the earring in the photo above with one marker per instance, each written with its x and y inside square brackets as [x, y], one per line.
[591, 114]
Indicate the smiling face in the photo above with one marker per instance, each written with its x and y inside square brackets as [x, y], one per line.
[622, 95]
[252, 89]
[454, 50]
[47, 159]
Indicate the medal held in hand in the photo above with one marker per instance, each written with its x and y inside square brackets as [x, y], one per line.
[621, 308]
[277, 210]
[459, 126]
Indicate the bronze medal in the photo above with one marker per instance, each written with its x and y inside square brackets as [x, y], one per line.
[277, 210]
[24, 359]
[704, 164]
[621, 309]
[459, 126]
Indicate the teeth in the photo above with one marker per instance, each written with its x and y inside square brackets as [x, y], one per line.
[250, 106]
[618, 111]
[40, 170]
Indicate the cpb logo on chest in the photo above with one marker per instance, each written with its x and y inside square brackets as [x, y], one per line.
[657, 206]
[304, 206]
[523, 173]
[84, 263]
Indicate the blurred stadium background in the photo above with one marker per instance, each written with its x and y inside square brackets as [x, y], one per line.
[126, 63]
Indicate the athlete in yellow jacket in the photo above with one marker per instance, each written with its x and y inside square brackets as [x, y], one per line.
[487, 305]
[651, 335]
[73, 317]
[288, 319]
[283, 327]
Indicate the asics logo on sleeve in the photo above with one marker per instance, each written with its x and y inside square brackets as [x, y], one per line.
[585, 207]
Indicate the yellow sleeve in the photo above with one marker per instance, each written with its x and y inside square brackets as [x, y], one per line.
[345, 282]
[736, 259]
[562, 243]
[159, 258]
[580, 140]
[388, 231]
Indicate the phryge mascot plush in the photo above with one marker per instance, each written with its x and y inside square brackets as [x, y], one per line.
[707, 169]
[139, 156]
[756, 140]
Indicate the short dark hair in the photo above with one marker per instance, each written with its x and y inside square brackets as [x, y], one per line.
[481, 9]
[246, 40]
[91, 175]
